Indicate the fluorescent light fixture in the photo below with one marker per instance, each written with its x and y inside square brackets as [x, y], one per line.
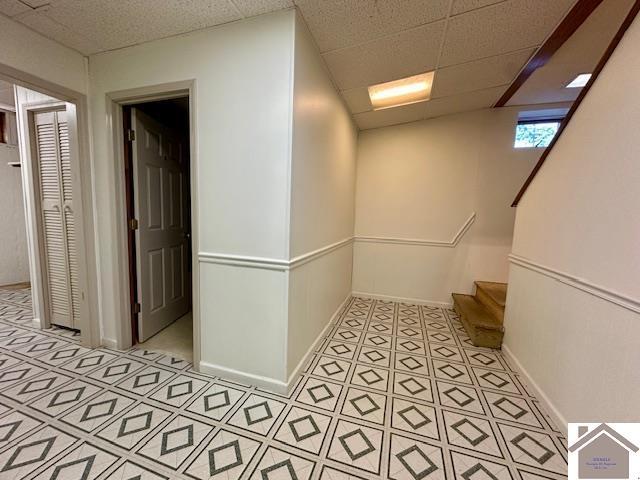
[401, 92]
[580, 81]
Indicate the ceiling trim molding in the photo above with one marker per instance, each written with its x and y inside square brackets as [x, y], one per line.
[567, 27]
[605, 57]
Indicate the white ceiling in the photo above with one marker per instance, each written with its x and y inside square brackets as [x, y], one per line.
[477, 47]
[579, 54]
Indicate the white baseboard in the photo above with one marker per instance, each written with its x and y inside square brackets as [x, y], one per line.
[35, 323]
[305, 358]
[416, 301]
[266, 383]
[109, 343]
[548, 405]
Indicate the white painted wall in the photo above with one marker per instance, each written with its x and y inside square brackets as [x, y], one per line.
[323, 163]
[33, 58]
[581, 217]
[14, 259]
[243, 74]
[422, 181]
[31, 53]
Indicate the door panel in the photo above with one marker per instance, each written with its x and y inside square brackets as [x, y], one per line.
[162, 238]
[155, 205]
[177, 271]
[55, 181]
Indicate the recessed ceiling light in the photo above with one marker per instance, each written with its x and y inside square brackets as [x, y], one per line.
[401, 92]
[580, 81]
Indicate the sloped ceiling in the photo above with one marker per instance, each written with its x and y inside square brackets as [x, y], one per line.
[477, 47]
[579, 54]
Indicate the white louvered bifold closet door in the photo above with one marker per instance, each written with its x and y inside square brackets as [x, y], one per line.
[58, 226]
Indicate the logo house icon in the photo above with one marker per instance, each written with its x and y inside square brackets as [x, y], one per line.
[602, 453]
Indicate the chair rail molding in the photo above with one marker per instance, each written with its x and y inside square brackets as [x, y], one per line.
[421, 242]
[267, 263]
[599, 291]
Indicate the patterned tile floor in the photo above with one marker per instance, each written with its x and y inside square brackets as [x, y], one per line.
[395, 391]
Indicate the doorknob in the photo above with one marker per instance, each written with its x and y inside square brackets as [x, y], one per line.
[186, 235]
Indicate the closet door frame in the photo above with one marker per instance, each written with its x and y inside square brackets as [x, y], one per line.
[31, 184]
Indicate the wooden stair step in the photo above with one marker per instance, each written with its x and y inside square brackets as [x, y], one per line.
[493, 296]
[483, 328]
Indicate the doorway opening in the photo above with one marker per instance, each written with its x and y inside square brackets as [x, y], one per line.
[15, 280]
[158, 203]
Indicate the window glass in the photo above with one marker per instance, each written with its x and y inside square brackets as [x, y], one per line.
[536, 133]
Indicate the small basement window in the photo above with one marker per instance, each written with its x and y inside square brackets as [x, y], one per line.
[536, 133]
[536, 128]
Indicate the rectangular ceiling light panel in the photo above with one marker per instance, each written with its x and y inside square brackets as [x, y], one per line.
[401, 92]
[580, 81]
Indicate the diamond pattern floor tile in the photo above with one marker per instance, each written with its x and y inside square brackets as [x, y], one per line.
[395, 391]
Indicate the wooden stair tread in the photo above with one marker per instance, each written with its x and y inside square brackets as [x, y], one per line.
[475, 313]
[497, 291]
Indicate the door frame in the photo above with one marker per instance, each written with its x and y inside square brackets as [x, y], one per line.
[76, 101]
[116, 101]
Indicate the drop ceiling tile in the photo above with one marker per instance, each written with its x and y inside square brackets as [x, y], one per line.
[357, 99]
[464, 102]
[461, 6]
[479, 74]
[36, 3]
[390, 116]
[40, 22]
[343, 23]
[118, 24]
[11, 8]
[433, 108]
[544, 94]
[501, 28]
[396, 56]
[250, 8]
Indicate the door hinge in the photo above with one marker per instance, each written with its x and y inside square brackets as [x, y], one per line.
[136, 307]
[131, 135]
[133, 223]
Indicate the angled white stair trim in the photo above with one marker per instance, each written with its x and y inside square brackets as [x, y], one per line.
[271, 263]
[606, 294]
[422, 242]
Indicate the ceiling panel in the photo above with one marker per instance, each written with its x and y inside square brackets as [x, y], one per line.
[115, 24]
[35, 3]
[501, 28]
[399, 55]
[11, 8]
[479, 74]
[461, 6]
[357, 99]
[433, 108]
[342, 23]
[48, 27]
[250, 8]
[463, 102]
[390, 116]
